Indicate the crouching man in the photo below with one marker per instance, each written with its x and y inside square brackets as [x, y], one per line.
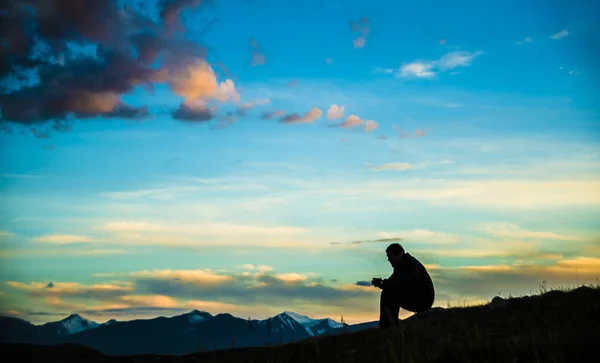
[410, 287]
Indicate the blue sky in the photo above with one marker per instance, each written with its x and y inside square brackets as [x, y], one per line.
[471, 133]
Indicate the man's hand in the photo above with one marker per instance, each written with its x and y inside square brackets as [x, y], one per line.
[377, 282]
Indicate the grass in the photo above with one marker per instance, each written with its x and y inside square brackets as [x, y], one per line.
[560, 325]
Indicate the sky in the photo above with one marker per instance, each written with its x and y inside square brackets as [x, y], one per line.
[258, 156]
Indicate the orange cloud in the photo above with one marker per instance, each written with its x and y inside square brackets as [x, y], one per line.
[71, 288]
[157, 301]
[91, 102]
[291, 277]
[57, 302]
[200, 276]
[197, 82]
[371, 125]
[335, 112]
[309, 117]
[583, 265]
[62, 239]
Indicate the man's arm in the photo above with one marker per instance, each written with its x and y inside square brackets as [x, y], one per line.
[415, 271]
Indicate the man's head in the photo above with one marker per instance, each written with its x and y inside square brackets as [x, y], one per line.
[395, 252]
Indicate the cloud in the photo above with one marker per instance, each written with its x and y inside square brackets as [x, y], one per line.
[379, 240]
[263, 295]
[197, 81]
[213, 307]
[170, 9]
[71, 82]
[260, 268]
[520, 194]
[380, 70]
[418, 69]
[362, 27]
[511, 230]
[202, 235]
[267, 115]
[243, 109]
[335, 112]
[560, 34]
[421, 132]
[371, 125]
[291, 277]
[428, 69]
[153, 301]
[420, 236]
[353, 120]
[72, 289]
[5, 235]
[363, 283]
[267, 287]
[257, 57]
[206, 276]
[59, 252]
[57, 302]
[147, 232]
[193, 113]
[405, 135]
[62, 239]
[312, 115]
[523, 41]
[488, 280]
[359, 42]
[456, 59]
[391, 166]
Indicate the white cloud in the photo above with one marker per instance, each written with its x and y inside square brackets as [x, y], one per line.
[523, 41]
[511, 230]
[260, 268]
[417, 69]
[391, 166]
[204, 234]
[514, 194]
[62, 239]
[428, 69]
[291, 277]
[560, 34]
[380, 70]
[457, 59]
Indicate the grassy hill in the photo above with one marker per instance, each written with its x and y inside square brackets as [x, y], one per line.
[556, 326]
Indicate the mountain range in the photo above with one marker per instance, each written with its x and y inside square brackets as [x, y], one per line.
[182, 334]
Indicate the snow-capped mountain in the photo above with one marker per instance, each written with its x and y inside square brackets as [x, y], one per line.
[181, 334]
[196, 316]
[313, 326]
[73, 324]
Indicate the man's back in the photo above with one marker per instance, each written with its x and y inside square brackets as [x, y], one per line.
[410, 274]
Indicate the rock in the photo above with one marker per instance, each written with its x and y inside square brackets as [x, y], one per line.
[425, 314]
[498, 303]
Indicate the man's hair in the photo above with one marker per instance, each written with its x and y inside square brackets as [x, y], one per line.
[395, 248]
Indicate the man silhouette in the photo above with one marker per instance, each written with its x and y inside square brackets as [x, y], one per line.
[410, 287]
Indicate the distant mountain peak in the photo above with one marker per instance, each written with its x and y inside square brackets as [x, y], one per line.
[72, 316]
[197, 316]
[74, 323]
[301, 319]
